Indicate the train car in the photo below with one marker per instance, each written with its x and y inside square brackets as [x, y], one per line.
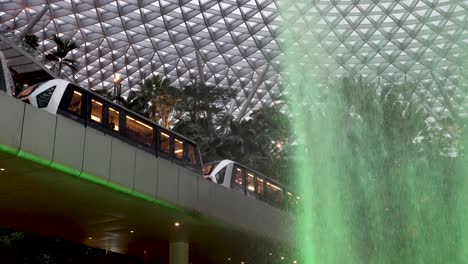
[236, 176]
[64, 98]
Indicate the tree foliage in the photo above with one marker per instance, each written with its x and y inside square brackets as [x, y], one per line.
[63, 47]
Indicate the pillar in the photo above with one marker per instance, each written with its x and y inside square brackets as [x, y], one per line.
[179, 252]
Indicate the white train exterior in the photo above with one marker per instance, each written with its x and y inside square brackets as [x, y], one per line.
[234, 175]
[62, 97]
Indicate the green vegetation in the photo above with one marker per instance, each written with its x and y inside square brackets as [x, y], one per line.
[263, 142]
[58, 56]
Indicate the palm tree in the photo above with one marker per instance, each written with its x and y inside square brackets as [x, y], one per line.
[160, 98]
[64, 46]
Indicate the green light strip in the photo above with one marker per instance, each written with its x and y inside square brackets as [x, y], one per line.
[93, 179]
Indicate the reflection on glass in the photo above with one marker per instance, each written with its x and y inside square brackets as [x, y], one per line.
[164, 143]
[178, 149]
[238, 176]
[139, 131]
[191, 158]
[113, 120]
[250, 182]
[75, 103]
[96, 111]
[260, 186]
[275, 193]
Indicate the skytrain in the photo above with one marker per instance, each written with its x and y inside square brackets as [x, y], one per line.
[231, 174]
[61, 97]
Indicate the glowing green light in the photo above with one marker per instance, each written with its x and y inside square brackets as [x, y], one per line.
[95, 180]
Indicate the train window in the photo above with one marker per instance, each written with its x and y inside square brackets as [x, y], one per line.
[190, 154]
[298, 200]
[138, 131]
[43, 98]
[290, 200]
[260, 186]
[164, 142]
[96, 111]
[113, 119]
[75, 103]
[250, 182]
[274, 193]
[178, 148]
[220, 176]
[238, 177]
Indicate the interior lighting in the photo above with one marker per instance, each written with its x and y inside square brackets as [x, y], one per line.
[176, 224]
[2, 169]
[282, 258]
[95, 118]
[270, 254]
[90, 238]
[229, 259]
[131, 231]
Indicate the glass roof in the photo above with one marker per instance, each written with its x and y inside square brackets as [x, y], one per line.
[385, 41]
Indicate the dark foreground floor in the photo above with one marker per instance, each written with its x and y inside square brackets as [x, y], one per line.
[22, 248]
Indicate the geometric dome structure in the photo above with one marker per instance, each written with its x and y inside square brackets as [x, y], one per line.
[386, 41]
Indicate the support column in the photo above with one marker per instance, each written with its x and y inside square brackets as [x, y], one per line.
[31, 24]
[179, 252]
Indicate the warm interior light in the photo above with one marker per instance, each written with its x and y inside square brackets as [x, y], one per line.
[274, 186]
[229, 259]
[178, 151]
[164, 135]
[75, 92]
[95, 118]
[90, 238]
[251, 188]
[131, 231]
[176, 224]
[96, 102]
[2, 169]
[139, 122]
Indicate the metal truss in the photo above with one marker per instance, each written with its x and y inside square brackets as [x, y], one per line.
[386, 41]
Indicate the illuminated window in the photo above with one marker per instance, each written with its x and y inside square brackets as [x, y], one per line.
[275, 193]
[178, 149]
[238, 177]
[250, 182]
[139, 131]
[290, 199]
[113, 120]
[260, 186]
[164, 144]
[75, 103]
[96, 111]
[191, 157]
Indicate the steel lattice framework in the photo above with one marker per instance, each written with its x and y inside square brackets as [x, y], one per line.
[386, 41]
